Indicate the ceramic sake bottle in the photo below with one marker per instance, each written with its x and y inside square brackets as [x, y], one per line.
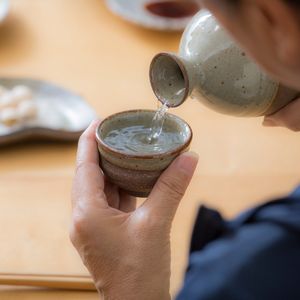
[211, 68]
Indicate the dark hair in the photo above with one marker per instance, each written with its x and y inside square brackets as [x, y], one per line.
[293, 2]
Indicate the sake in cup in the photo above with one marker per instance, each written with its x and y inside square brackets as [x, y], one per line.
[135, 168]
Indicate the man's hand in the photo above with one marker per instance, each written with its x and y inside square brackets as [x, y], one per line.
[289, 117]
[126, 250]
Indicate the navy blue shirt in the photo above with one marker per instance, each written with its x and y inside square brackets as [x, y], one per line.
[253, 257]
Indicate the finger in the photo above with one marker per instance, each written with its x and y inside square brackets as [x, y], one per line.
[88, 184]
[87, 145]
[127, 202]
[289, 117]
[171, 186]
[112, 194]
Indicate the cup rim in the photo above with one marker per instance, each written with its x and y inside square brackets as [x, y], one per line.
[144, 156]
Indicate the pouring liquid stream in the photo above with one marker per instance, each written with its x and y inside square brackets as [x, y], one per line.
[157, 124]
[159, 118]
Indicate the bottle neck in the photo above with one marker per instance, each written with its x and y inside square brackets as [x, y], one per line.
[169, 79]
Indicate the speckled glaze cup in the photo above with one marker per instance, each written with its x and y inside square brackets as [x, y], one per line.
[211, 68]
[137, 173]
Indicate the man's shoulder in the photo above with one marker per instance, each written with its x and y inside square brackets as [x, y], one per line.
[255, 256]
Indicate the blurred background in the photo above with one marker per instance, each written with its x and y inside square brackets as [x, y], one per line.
[85, 47]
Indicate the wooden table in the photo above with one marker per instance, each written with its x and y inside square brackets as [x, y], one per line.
[79, 44]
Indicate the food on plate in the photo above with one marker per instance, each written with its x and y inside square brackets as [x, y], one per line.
[17, 105]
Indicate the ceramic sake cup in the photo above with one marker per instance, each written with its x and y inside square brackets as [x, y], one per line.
[137, 173]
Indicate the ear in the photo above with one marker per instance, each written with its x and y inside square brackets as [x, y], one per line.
[285, 29]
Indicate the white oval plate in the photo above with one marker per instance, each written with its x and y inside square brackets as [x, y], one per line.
[62, 115]
[4, 8]
[135, 12]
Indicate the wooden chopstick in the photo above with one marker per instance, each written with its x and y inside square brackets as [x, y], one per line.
[49, 281]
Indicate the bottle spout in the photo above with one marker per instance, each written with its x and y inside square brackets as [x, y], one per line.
[169, 79]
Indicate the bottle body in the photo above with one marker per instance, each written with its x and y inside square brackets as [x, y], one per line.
[214, 70]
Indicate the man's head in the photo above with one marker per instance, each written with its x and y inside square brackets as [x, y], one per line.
[268, 29]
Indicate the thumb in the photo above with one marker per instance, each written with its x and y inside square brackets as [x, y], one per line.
[171, 186]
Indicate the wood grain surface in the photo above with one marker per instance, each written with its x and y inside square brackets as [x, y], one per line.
[79, 44]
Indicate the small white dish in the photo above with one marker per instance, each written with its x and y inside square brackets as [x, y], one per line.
[135, 11]
[62, 115]
[4, 8]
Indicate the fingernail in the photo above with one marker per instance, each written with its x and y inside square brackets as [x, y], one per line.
[269, 122]
[188, 161]
[94, 123]
[92, 126]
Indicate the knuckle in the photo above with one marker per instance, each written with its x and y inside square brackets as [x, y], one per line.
[146, 222]
[73, 235]
[79, 166]
[172, 186]
[151, 227]
[78, 228]
[83, 166]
